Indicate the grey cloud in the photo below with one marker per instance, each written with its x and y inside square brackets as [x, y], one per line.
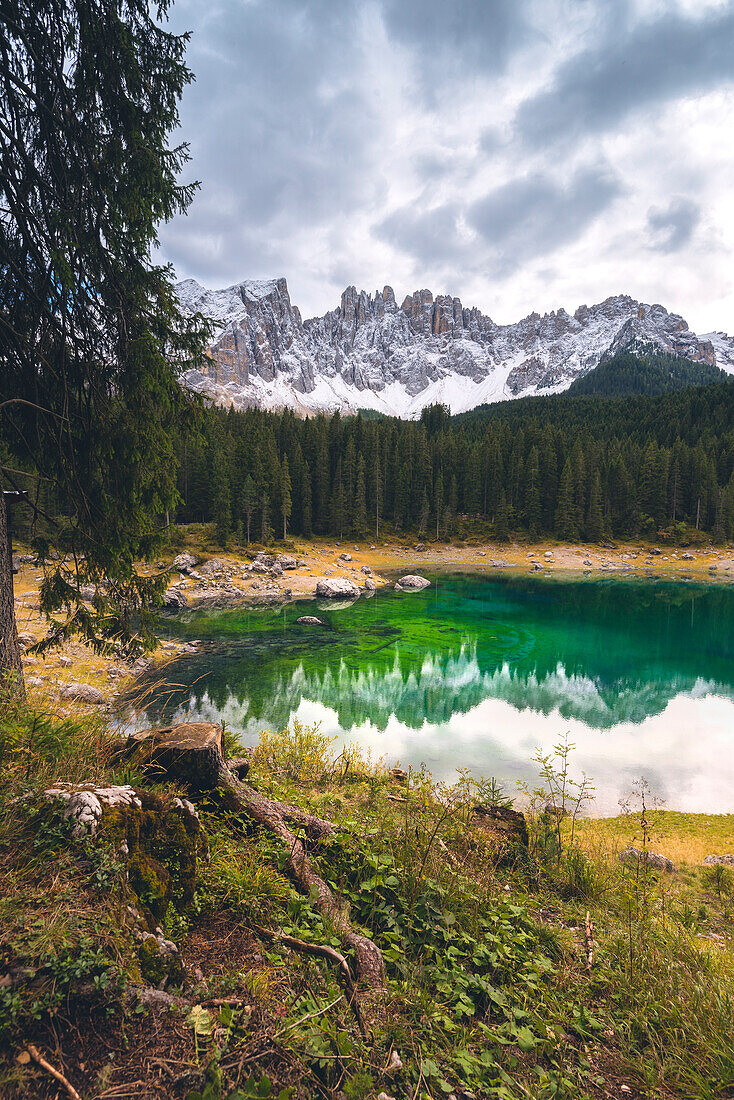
[428, 235]
[633, 66]
[519, 221]
[534, 215]
[280, 130]
[672, 227]
[482, 34]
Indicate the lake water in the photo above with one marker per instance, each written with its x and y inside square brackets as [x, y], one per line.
[479, 671]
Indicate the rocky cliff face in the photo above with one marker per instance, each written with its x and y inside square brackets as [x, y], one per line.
[372, 353]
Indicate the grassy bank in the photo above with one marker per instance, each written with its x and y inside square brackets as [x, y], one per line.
[546, 970]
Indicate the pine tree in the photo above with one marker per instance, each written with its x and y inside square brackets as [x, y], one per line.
[359, 522]
[501, 523]
[338, 503]
[265, 528]
[594, 528]
[92, 338]
[532, 492]
[377, 485]
[286, 500]
[438, 495]
[249, 502]
[222, 503]
[565, 518]
[306, 516]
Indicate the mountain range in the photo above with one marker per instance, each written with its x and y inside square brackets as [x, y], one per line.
[372, 353]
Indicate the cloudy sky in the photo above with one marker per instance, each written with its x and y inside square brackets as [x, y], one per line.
[521, 154]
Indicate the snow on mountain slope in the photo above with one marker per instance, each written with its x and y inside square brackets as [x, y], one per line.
[371, 353]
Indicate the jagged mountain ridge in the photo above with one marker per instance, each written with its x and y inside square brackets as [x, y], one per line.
[371, 353]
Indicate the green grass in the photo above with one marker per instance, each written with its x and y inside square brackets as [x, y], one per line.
[490, 990]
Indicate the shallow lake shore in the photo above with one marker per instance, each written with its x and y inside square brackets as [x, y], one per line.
[74, 662]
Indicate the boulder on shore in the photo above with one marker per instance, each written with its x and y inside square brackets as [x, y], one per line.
[412, 583]
[212, 567]
[184, 562]
[285, 561]
[175, 599]
[337, 588]
[655, 860]
[82, 693]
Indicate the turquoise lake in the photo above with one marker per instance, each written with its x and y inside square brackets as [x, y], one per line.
[479, 671]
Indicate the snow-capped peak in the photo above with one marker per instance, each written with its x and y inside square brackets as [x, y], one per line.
[371, 353]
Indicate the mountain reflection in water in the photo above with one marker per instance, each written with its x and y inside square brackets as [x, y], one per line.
[407, 673]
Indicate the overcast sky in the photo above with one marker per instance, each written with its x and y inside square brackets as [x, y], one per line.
[521, 154]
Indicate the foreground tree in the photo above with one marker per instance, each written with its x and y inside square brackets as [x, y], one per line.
[91, 335]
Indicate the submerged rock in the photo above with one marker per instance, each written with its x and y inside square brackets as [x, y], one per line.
[412, 583]
[310, 620]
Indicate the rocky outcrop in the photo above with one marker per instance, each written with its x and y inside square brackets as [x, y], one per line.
[727, 860]
[370, 352]
[655, 860]
[185, 562]
[174, 599]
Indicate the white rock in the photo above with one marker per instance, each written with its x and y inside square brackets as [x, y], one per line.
[412, 583]
[336, 588]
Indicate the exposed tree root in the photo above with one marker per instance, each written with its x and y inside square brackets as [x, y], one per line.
[273, 816]
[38, 1057]
[318, 950]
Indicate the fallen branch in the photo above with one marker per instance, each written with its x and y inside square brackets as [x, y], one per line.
[38, 1057]
[319, 950]
[589, 941]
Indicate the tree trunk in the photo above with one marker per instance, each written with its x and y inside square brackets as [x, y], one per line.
[11, 668]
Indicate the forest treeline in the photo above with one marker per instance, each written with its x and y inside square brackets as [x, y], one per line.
[587, 467]
[644, 370]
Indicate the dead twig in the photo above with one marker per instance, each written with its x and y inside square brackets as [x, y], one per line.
[322, 951]
[589, 926]
[38, 1057]
[308, 1016]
